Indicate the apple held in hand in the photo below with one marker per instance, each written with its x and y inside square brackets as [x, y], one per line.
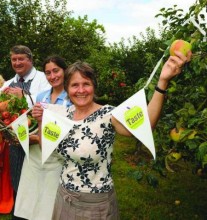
[180, 45]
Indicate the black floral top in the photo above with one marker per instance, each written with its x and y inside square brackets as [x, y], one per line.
[87, 149]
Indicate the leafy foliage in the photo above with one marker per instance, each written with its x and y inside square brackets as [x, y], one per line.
[138, 59]
[186, 102]
[46, 30]
[118, 87]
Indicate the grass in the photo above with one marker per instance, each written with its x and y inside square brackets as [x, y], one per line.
[5, 217]
[140, 201]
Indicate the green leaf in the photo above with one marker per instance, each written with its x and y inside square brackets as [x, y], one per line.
[152, 180]
[137, 175]
[202, 150]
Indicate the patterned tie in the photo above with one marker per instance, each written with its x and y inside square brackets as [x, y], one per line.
[23, 85]
[21, 80]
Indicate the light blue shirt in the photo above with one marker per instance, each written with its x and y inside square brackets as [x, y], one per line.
[62, 99]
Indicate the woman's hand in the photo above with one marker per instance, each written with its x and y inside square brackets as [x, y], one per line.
[37, 112]
[172, 68]
[34, 139]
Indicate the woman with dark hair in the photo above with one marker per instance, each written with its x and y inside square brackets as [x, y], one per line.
[54, 67]
[38, 183]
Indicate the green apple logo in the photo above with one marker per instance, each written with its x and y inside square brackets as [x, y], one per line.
[134, 117]
[51, 131]
[22, 133]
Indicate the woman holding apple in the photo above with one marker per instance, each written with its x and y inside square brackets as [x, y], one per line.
[38, 183]
[86, 187]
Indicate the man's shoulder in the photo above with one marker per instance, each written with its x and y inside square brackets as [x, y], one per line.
[40, 76]
[10, 80]
[40, 72]
[39, 81]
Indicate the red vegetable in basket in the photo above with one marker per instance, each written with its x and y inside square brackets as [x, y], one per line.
[22, 111]
[7, 121]
[5, 114]
[14, 117]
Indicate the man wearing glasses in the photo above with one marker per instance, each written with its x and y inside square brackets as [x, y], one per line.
[28, 82]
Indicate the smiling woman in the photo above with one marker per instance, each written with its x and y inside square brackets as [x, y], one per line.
[35, 195]
[86, 182]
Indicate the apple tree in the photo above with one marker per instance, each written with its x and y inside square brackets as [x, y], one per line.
[128, 62]
[47, 29]
[186, 102]
[137, 56]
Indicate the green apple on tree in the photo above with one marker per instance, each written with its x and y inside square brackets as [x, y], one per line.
[176, 133]
[177, 202]
[174, 156]
[180, 45]
[192, 134]
[51, 131]
[200, 172]
[134, 117]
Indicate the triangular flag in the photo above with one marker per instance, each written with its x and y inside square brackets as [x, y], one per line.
[133, 114]
[20, 127]
[54, 129]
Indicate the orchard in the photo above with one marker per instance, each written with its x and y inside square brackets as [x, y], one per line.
[183, 127]
[123, 69]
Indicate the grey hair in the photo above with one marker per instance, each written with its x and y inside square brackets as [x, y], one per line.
[21, 49]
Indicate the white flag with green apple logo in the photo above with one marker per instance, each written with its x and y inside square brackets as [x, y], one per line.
[133, 114]
[54, 129]
[20, 127]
